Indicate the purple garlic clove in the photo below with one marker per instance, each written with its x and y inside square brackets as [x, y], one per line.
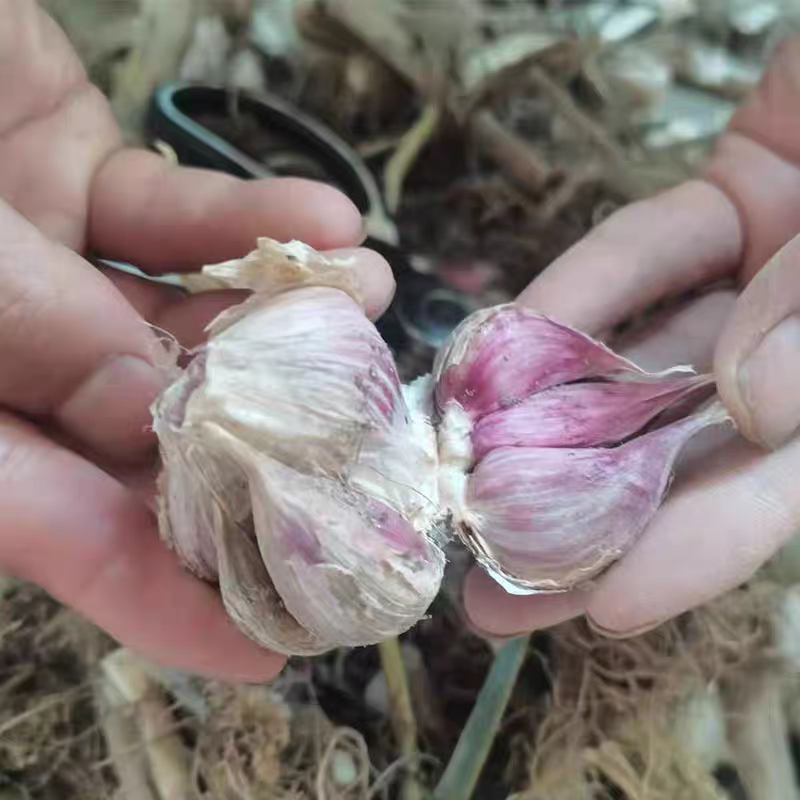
[524, 405]
[583, 414]
[349, 568]
[546, 519]
[499, 356]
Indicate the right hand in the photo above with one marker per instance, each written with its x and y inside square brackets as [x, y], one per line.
[732, 510]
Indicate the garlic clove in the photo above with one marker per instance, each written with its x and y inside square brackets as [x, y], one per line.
[348, 569]
[251, 599]
[304, 563]
[206, 515]
[583, 414]
[546, 519]
[194, 484]
[303, 376]
[500, 356]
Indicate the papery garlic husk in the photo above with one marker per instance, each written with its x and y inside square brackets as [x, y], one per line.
[347, 567]
[554, 451]
[295, 473]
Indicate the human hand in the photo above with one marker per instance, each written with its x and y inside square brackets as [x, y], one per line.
[733, 507]
[77, 361]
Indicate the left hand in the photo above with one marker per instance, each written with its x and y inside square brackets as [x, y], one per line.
[78, 360]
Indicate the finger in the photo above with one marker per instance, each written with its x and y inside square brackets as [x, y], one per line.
[376, 279]
[71, 347]
[494, 612]
[712, 533]
[39, 66]
[165, 218]
[686, 236]
[766, 190]
[758, 161]
[172, 310]
[54, 125]
[686, 335]
[75, 531]
[758, 357]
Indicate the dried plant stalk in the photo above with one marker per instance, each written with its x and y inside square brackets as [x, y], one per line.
[402, 711]
[124, 746]
[125, 675]
[759, 736]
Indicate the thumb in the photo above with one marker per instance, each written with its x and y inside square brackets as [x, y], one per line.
[757, 360]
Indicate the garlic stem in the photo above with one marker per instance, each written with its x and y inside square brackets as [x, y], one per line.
[411, 145]
[404, 722]
[469, 757]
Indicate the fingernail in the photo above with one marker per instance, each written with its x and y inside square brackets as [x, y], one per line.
[365, 225]
[110, 410]
[608, 633]
[769, 382]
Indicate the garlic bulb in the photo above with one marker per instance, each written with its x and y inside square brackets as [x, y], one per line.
[273, 484]
[317, 491]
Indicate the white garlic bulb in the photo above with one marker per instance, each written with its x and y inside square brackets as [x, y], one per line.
[275, 481]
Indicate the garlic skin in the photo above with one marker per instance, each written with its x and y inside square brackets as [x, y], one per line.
[295, 474]
[547, 458]
[347, 568]
[302, 375]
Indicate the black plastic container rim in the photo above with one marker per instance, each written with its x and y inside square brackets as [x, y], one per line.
[332, 151]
